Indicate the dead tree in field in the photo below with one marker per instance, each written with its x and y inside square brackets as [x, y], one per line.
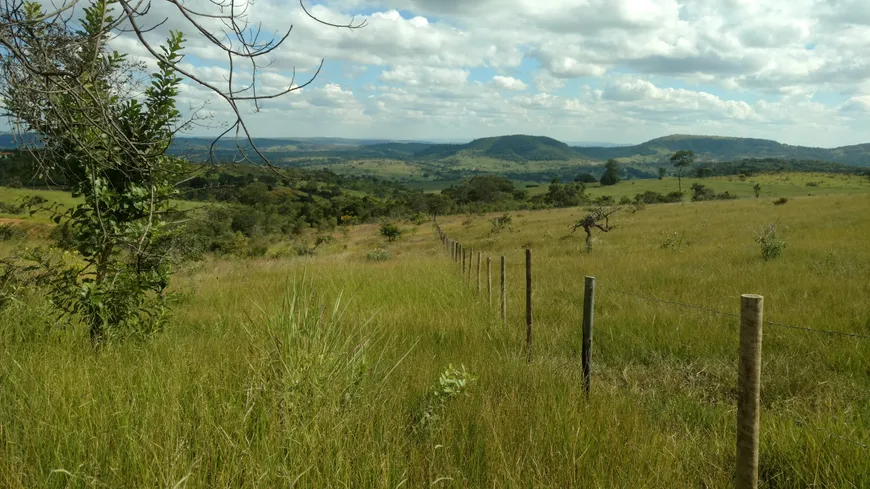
[597, 218]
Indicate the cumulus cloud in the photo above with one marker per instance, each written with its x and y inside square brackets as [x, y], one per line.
[621, 70]
[509, 83]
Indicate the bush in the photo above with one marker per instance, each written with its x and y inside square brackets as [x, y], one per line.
[780, 201]
[390, 231]
[500, 223]
[326, 239]
[624, 201]
[9, 232]
[7, 208]
[771, 246]
[379, 254]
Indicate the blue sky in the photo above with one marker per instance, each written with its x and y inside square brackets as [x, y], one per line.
[620, 71]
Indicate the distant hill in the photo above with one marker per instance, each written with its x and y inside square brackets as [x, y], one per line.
[714, 148]
[519, 148]
[510, 148]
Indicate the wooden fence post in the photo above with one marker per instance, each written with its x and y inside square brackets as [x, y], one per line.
[749, 390]
[478, 273]
[529, 303]
[588, 310]
[489, 280]
[470, 261]
[503, 302]
[463, 259]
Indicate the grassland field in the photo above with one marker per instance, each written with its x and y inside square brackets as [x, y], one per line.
[318, 371]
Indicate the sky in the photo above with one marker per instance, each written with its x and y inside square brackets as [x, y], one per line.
[617, 71]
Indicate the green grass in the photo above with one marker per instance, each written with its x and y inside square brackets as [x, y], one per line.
[262, 381]
[772, 186]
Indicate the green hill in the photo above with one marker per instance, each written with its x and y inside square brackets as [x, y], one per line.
[714, 148]
[509, 148]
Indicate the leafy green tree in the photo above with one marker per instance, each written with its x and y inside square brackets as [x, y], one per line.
[390, 231]
[612, 173]
[565, 194]
[121, 228]
[682, 159]
[585, 178]
[662, 172]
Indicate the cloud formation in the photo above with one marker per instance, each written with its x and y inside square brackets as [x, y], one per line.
[617, 70]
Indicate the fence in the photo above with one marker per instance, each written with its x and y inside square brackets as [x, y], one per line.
[751, 318]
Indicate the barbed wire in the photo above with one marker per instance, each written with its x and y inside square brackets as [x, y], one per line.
[814, 330]
[731, 314]
[675, 303]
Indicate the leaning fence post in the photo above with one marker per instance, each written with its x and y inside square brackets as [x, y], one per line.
[489, 280]
[529, 303]
[586, 352]
[503, 302]
[478, 273]
[749, 390]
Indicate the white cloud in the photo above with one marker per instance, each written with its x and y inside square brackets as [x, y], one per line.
[509, 83]
[428, 68]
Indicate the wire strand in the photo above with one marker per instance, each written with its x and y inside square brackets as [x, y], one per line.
[731, 314]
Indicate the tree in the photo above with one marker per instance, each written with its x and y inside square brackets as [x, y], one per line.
[84, 113]
[612, 173]
[593, 220]
[757, 189]
[120, 230]
[585, 178]
[565, 195]
[682, 159]
[438, 204]
[662, 172]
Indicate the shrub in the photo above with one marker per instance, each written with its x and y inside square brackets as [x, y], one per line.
[780, 201]
[771, 246]
[419, 218]
[9, 232]
[326, 239]
[7, 208]
[390, 231]
[379, 254]
[500, 223]
[812, 184]
[451, 384]
[624, 201]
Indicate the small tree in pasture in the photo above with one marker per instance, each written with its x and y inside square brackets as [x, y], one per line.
[612, 173]
[662, 172]
[390, 231]
[682, 159]
[596, 218]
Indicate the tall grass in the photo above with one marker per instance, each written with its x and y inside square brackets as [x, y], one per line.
[315, 372]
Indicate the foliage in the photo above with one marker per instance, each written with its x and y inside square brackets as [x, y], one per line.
[9, 232]
[701, 192]
[500, 223]
[119, 227]
[681, 160]
[780, 201]
[379, 254]
[452, 383]
[673, 242]
[612, 173]
[595, 218]
[585, 178]
[663, 172]
[771, 246]
[390, 231]
[565, 194]
[757, 190]
[652, 197]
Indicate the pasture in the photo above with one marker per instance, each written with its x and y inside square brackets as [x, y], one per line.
[322, 371]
